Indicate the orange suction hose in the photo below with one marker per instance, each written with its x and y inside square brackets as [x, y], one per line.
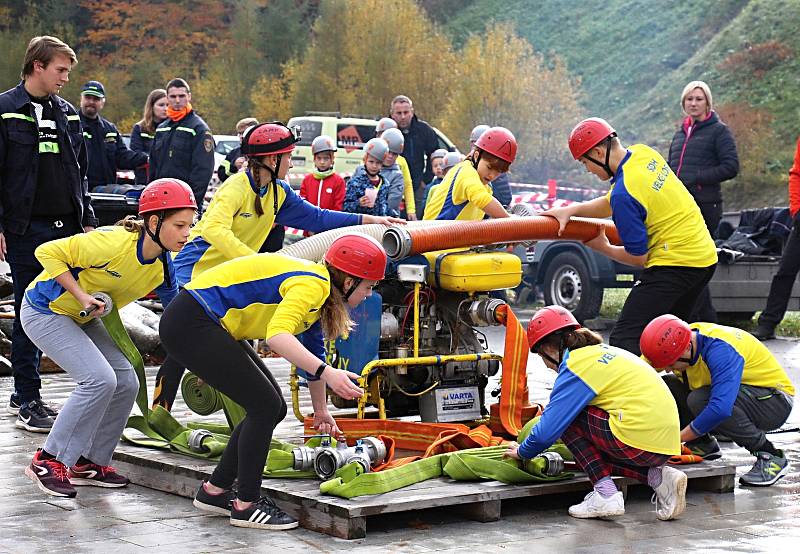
[400, 242]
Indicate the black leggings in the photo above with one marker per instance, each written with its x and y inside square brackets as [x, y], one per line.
[196, 342]
[660, 290]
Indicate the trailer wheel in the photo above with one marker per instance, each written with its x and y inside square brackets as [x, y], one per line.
[567, 283]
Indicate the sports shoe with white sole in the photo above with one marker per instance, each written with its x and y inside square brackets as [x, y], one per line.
[97, 476]
[595, 505]
[34, 417]
[670, 495]
[262, 514]
[219, 504]
[50, 476]
[766, 471]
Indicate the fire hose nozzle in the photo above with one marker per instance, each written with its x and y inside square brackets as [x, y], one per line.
[102, 297]
[326, 460]
[481, 313]
[554, 463]
[397, 242]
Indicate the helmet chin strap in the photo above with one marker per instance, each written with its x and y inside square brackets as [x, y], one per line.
[561, 348]
[605, 165]
[475, 161]
[691, 354]
[352, 289]
[156, 237]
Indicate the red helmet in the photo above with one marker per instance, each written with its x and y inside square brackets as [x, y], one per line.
[587, 134]
[499, 142]
[358, 255]
[269, 138]
[664, 340]
[166, 194]
[547, 321]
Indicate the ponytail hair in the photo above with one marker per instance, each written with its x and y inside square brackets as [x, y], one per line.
[334, 315]
[573, 339]
[134, 224]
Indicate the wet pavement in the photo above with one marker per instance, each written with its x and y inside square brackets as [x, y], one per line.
[136, 519]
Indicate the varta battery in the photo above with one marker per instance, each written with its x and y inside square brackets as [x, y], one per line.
[449, 404]
[468, 271]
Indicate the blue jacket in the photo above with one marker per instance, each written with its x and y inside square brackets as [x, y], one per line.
[501, 190]
[184, 149]
[356, 186]
[107, 152]
[393, 178]
[19, 158]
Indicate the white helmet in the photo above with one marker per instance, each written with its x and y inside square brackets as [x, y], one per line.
[451, 159]
[323, 143]
[477, 131]
[394, 138]
[383, 124]
[438, 153]
[377, 148]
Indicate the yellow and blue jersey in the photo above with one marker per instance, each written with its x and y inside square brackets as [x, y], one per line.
[461, 196]
[656, 215]
[231, 228]
[260, 296]
[408, 186]
[642, 412]
[109, 260]
[727, 357]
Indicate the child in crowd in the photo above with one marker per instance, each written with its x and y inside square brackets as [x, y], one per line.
[391, 172]
[234, 160]
[323, 187]
[367, 192]
[408, 205]
[437, 166]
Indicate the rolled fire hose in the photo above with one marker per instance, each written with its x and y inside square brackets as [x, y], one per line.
[205, 400]
[102, 297]
[314, 247]
[401, 242]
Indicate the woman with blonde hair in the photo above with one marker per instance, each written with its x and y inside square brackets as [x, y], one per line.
[143, 132]
[272, 297]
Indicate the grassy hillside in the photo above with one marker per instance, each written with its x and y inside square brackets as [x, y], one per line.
[635, 56]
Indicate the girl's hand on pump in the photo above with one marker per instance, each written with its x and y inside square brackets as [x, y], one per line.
[342, 383]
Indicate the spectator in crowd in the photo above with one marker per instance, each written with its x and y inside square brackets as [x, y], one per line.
[234, 160]
[183, 147]
[155, 111]
[782, 282]
[366, 191]
[421, 141]
[408, 205]
[107, 152]
[43, 197]
[391, 171]
[703, 155]
[437, 166]
[323, 187]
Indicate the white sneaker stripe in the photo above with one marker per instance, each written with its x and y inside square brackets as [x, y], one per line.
[254, 515]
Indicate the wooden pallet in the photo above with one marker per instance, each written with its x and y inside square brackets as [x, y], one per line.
[347, 519]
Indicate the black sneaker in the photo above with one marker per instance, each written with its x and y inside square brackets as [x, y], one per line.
[33, 417]
[766, 471]
[764, 332]
[49, 410]
[706, 447]
[13, 406]
[219, 504]
[263, 514]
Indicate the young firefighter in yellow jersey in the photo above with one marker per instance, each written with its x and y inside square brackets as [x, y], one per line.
[723, 379]
[659, 223]
[465, 194]
[273, 297]
[124, 262]
[612, 412]
[241, 215]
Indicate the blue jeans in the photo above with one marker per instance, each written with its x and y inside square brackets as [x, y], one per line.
[24, 269]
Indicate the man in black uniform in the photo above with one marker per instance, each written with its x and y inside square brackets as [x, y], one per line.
[107, 151]
[183, 147]
[43, 196]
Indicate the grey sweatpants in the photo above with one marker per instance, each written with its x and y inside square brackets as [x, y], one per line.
[94, 416]
[756, 410]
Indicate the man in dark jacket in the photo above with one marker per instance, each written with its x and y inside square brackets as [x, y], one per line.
[420, 142]
[43, 196]
[107, 151]
[184, 146]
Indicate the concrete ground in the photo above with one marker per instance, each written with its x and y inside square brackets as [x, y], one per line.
[137, 519]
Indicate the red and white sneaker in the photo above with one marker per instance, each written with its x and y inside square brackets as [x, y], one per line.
[50, 476]
[96, 476]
